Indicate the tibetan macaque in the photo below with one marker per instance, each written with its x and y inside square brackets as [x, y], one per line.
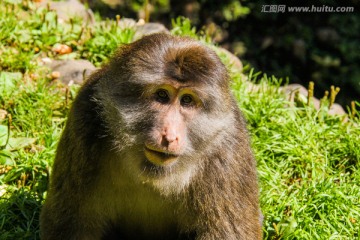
[155, 147]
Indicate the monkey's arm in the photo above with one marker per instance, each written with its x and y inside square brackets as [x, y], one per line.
[64, 214]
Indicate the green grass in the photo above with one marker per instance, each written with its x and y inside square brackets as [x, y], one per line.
[308, 165]
[308, 161]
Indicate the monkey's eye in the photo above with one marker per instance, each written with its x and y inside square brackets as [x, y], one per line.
[187, 100]
[162, 96]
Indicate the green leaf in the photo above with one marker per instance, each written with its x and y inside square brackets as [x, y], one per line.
[8, 81]
[3, 135]
[18, 143]
[13, 1]
[6, 158]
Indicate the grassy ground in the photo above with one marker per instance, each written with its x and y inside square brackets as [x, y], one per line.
[308, 161]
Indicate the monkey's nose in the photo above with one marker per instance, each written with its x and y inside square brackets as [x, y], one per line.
[169, 136]
[170, 140]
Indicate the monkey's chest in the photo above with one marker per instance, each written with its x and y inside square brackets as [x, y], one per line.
[143, 214]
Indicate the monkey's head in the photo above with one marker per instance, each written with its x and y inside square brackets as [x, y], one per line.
[166, 102]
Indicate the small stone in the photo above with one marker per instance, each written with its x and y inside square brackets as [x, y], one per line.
[69, 9]
[234, 61]
[72, 71]
[3, 114]
[55, 75]
[336, 109]
[149, 28]
[61, 49]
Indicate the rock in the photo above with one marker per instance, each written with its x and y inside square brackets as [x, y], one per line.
[149, 28]
[336, 109]
[234, 61]
[70, 9]
[127, 23]
[72, 71]
[300, 99]
[291, 89]
[141, 28]
[316, 103]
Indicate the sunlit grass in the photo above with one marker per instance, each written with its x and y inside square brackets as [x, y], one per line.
[308, 161]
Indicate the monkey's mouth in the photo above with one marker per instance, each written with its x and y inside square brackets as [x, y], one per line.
[159, 157]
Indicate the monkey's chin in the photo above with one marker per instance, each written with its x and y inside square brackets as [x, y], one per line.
[159, 158]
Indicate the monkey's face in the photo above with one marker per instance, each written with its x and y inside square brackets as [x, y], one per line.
[174, 107]
[166, 132]
[166, 102]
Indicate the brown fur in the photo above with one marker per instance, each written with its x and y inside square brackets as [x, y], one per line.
[102, 188]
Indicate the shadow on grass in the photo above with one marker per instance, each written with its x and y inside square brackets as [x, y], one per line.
[19, 215]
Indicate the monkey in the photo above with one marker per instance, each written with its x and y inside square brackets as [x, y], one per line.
[154, 147]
